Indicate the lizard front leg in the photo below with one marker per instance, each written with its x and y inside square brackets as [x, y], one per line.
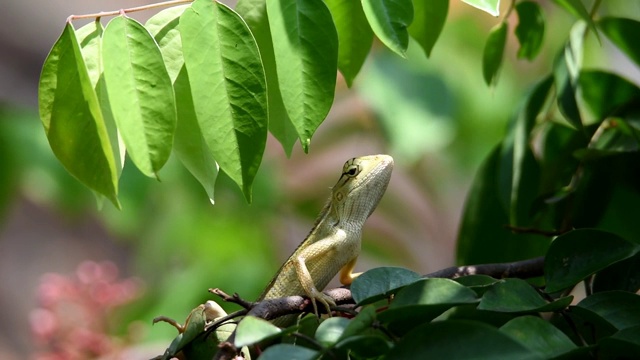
[304, 276]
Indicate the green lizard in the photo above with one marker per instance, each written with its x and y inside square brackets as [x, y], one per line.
[333, 245]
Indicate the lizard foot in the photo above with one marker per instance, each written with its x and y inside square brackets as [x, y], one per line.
[326, 300]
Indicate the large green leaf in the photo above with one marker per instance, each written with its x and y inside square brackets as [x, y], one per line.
[579, 253]
[493, 52]
[453, 340]
[619, 308]
[625, 344]
[72, 120]
[389, 20]
[623, 33]
[380, 283]
[516, 295]
[90, 40]
[608, 94]
[483, 237]
[428, 21]
[188, 143]
[623, 275]
[538, 336]
[252, 330]
[530, 29]
[305, 44]
[140, 93]
[254, 13]
[354, 36]
[228, 88]
[289, 351]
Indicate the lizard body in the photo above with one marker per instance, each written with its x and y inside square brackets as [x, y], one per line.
[333, 245]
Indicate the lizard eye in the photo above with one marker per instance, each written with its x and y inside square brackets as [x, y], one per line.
[352, 170]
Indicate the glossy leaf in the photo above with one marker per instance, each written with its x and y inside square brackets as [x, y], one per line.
[379, 283]
[619, 308]
[623, 33]
[566, 89]
[579, 253]
[489, 6]
[354, 36]
[305, 44]
[623, 344]
[530, 29]
[90, 40]
[482, 229]
[229, 91]
[493, 52]
[516, 295]
[252, 330]
[140, 93]
[331, 330]
[623, 275]
[72, 119]
[389, 20]
[423, 301]
[288, 351]
[539, 336]
[428, 20]
[453, 340]
[607, 94]
[189, 143]
[478, 283]
[254, 13]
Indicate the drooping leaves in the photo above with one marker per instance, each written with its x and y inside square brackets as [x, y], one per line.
[305, 44]
[530, 29]
[72, 119]
[428, 20]
[389, 20]
[140, 93]
[623, 33]
[229, 92]
[491, 7]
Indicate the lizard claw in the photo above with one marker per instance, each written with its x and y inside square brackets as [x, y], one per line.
[326, 300]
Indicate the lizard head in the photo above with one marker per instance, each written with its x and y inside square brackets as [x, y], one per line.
[361, 185]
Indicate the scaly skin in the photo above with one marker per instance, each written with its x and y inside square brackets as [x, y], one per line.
[333, 245]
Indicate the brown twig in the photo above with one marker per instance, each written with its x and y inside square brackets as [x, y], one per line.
[126, 11]
[519, 269]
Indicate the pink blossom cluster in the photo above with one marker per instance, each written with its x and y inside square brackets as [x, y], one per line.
[74, 313]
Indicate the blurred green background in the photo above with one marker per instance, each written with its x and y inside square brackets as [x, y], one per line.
[435, 116]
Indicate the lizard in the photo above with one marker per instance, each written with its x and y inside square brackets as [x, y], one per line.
[333, 244]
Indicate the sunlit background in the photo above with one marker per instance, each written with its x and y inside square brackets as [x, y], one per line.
[168, 244]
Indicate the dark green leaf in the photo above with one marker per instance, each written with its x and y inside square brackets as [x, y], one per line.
[566, 93]
[483, 223]
[365, 346]
[72, 119]
[359, 324]
[288, 351]
[539, 336]
[229, 91]
[516, 295]
[624, 34]
[252, 330]
[493, 52]
[331, 330]
[305, 44]
[530, 29]
[579, 253]
[423, 301]
[607, 94]
[619, 308]
[453, 340]
[354, 36]
[140, 93]
[379, 283]
[254, 13]
[623, 275]
[625, 344]
[577, 9]
[490, 6]
[428, 21]
[478, 283]
[389, 20]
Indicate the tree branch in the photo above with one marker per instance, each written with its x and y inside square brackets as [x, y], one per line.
[274, 308]
[126, 11]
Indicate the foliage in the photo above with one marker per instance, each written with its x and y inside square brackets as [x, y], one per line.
[562, 182]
